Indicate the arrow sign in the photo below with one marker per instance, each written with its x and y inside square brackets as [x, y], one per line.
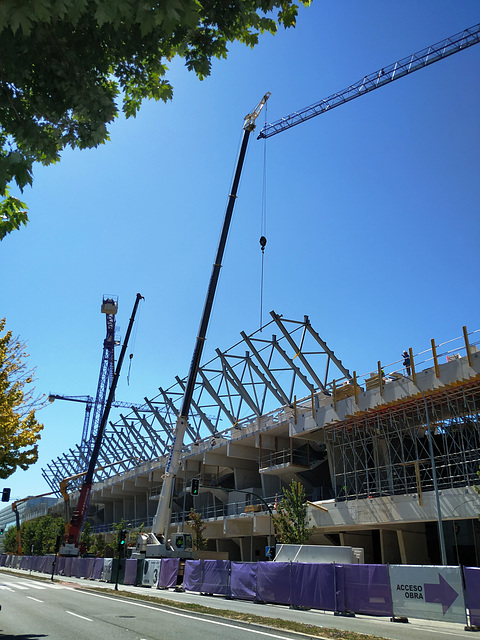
[441, 593]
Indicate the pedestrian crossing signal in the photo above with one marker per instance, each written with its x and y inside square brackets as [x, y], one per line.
[195, 487]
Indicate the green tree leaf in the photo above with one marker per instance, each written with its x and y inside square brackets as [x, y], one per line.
[64, 64]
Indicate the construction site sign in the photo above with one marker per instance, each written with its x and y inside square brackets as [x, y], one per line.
[427, 592]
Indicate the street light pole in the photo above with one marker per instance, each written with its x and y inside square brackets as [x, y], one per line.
[434, 475]
[260, 498]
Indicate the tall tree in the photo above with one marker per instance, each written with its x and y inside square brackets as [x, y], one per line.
[19, 428]
[63, 64]
[290, 520]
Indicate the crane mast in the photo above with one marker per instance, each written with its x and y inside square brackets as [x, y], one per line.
[109, 308]
[377, 79]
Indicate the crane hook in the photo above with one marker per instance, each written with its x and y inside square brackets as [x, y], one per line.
[263, 242]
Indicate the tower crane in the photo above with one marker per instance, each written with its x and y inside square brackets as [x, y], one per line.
[74, 527]
[91, 422]
[377, 79]
[156, 544]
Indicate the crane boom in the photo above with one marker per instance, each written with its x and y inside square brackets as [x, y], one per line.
[161, 521]
[89, 400]
[378, 79]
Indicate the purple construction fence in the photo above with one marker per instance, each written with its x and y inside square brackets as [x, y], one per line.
[243, 583]
[330, 587]
[363, 588]
[472, 593]
[130, 571]
[273, 582]
[168, 573]
[313, 586]
[216, 577]
[192, 576]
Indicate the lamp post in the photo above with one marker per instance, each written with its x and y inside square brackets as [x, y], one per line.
[434, 475]
[264, 502]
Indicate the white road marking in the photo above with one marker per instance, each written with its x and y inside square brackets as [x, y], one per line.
[185, 615]
[58, 586]
[78, 616]
[3, 586]
[32, 598]
[36, 586]
[15, 585]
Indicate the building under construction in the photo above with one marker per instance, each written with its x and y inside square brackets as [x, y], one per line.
[389, 460]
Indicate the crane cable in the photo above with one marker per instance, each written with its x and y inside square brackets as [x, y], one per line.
[134, 340]
[263, 221]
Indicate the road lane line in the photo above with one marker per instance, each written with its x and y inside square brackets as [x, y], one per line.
[32, 598]
[184, 615]
[78, 616]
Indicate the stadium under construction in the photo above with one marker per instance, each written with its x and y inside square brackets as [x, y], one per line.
[389, 460]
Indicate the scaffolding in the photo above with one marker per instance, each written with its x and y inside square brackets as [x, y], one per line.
[385, 452]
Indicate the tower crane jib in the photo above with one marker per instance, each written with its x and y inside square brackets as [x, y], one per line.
[378, 79]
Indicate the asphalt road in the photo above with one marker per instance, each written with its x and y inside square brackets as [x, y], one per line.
[39, 609]
[33, 610]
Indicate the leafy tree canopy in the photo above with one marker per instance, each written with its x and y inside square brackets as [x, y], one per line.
[19, 428]
[290, 522]
[64, 64]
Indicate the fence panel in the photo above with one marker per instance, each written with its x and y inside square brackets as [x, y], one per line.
[216, 577]
[366, 589]
[168, 573]
[243, 580]
[192, 577]
[130, 571]
[472, 587]
[313, 585]
[273, 582]
[428, 592]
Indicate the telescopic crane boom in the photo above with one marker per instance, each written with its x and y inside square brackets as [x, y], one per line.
[378, 79]
[156, 543]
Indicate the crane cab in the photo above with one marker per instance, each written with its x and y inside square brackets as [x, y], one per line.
[109, 305]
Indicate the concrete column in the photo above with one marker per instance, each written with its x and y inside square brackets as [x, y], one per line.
[412, 543]
[108, 512]
[389, 547]
[128, 508]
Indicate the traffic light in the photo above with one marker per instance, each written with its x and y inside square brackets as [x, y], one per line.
[6, 495]
[58, 543]
[1, 531]
[195, 487]
[121, 540]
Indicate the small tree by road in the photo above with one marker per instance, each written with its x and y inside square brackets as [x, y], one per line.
[198, 527]
[290, 521]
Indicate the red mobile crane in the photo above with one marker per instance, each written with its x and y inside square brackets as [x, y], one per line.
[73, 528]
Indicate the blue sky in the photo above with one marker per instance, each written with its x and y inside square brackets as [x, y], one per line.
[372, 214]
